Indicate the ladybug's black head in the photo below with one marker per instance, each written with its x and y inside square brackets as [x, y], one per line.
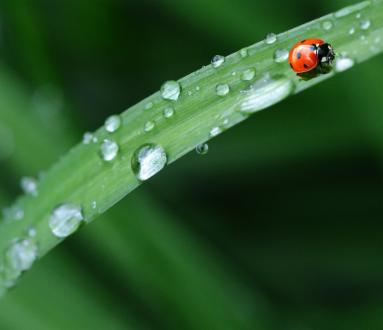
[326, 53]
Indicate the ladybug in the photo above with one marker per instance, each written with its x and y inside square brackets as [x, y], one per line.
[311, 55]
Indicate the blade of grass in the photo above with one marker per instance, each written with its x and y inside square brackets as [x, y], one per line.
[83, 178]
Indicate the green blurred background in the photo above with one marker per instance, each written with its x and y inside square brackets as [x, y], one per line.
[278, 227]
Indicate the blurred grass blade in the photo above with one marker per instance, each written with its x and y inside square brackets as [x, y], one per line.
[185, 114]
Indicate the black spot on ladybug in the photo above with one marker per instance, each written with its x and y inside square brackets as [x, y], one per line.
[306, 66]
[299, 55]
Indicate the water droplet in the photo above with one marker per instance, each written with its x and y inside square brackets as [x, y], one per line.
[271, 38]
[197, 88]
[351, 31]
[358, 15]
[149, 125]
[168, 112]
[265, 93]
[365, 24]
[113, 123]
[248, 75]
[32, 232]
[226, 122]
[19, 257]
[215, 131]
[13, 213]
[352, 9]
[243, 52]
[148, 160]
[217, 61]
[222, 89]
[95, 139]
[281, 55]
[202, 149]
[87, 138]
[171, 90]
[29, 185]
[148, 106]
[327, 25]
[109, 150]
[189, 93]
[343, 64]
[94, 205]
[65, 219]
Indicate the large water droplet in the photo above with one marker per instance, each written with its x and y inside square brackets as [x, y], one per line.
[365, 24]
[217, 61]
[271, 38]
[343, 64]
[202, 149]
[168, 112]
[265, 93]
[248, 75]
[171, 90]
[65, 219]
[18, 258]
[109, 150]
[281, 55]
[222, 89]
[148, 160]
[112, 123]
[29, 185]
[327, 25]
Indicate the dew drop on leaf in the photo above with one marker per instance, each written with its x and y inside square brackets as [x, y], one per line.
[148, 160]
[65, 219]
[112, 123]
[171, 90]
[109, 150]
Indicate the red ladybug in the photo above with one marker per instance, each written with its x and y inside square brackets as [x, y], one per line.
[310, 54]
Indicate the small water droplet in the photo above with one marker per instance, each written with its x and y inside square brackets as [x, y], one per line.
[222, 89]
[19, 257]
[351, 31]
[202, 149]
[281, 55]
[109, 150]
[29, 185]
[13, 213]
[343, 64]
[171, 90]
[226, 122]
[270, 38]
[365, 24]
[32, 232]
[327, 25]
[265, 93]
[243, 52]
[197, 88]
[248, 75]
[65, 219]
[189, 93]
[168, 112]
[217, 61]
[358, 15]
[149, 125]
[113, 123]
[87, 138]
[215, 131]
[148, 160]
[94, 205]
[95, 139]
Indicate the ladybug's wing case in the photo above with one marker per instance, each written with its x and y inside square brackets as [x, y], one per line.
[303, 57]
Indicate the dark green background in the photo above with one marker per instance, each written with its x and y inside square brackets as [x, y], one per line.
[278, 227]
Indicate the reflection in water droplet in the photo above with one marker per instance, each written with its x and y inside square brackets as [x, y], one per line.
[171, 90]
[29, 186]
[109, 150]
[281, 55]
[148, 160]
[65, 219]
[343, 64]
[265, 93]
[271, 38]
[222, 89]
[112, 123]
[217, 61]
